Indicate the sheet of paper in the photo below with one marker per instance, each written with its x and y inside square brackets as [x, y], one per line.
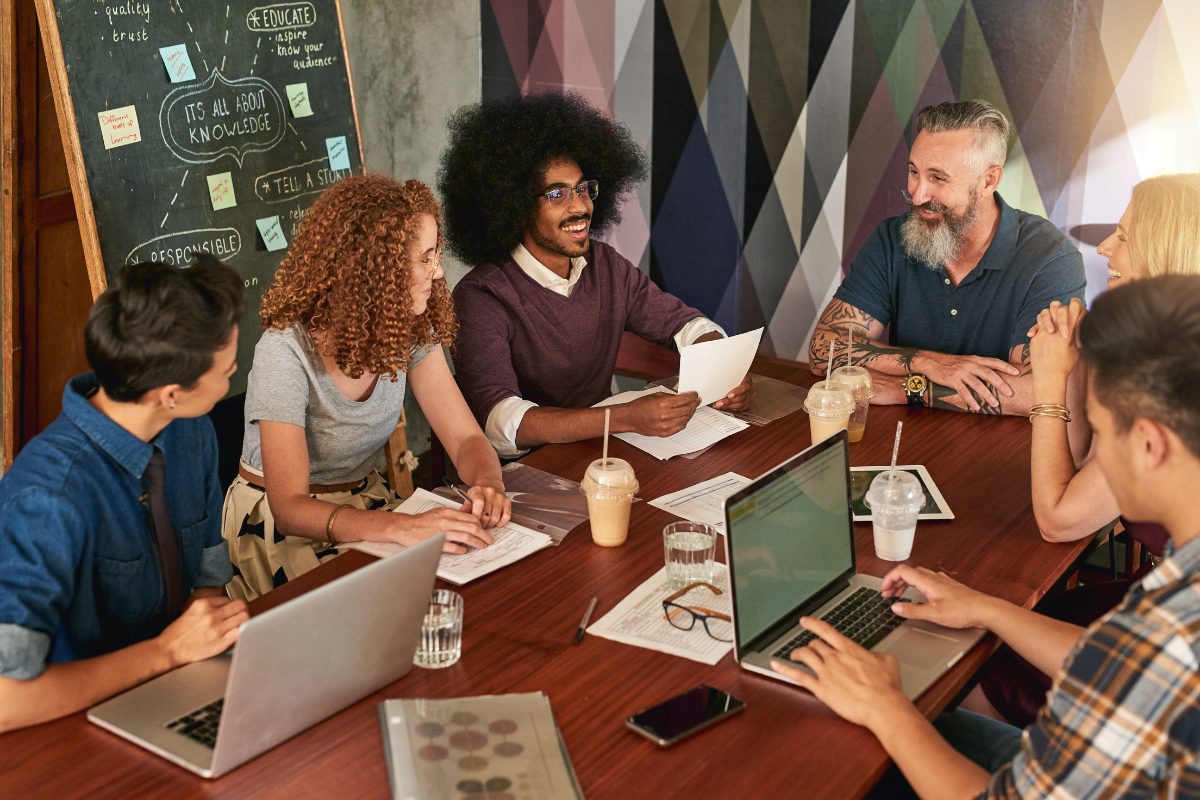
[714, 369]
[704, 429]
[512, 543]
[272, 233]
[703, 502]
[339, 154]
[179, 66]
[119, 127]
[220, 191]
[639, 620]
[297, 95]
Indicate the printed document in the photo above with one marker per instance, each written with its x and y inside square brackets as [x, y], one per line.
[704, 429]
[639, 619]
[512, 543]
[704, 501]
[714, 369]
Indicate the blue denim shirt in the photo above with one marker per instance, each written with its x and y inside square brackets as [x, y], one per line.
[79, 569]
[1028, 264]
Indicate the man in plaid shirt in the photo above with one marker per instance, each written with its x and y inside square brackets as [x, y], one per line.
[1122, 718]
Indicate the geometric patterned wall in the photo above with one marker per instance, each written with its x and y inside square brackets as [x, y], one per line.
[779, 129]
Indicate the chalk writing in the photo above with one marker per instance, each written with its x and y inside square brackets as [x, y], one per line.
[119, 127]
[311, 177]
[179, 247]
[179, 66]
[281, 15]
[201, 123]
[220, 191]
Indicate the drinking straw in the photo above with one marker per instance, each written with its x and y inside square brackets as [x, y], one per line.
[829, 369]
[604, 456]
[895, 452]
[849, 343]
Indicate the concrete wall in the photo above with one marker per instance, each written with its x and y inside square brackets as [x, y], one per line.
[413, 62]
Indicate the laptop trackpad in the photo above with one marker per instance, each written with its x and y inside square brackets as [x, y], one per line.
[921, 649]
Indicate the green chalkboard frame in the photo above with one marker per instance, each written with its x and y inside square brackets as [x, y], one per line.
[150, 199]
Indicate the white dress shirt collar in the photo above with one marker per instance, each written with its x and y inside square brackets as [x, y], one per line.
[543, 276]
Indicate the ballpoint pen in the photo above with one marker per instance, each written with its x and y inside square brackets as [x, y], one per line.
[461, 494]
[586, 616]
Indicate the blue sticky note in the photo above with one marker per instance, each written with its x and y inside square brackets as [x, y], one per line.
[179, 66]
[339, 154]
[272, 233]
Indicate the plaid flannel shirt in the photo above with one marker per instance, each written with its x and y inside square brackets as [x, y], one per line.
[1123, 716]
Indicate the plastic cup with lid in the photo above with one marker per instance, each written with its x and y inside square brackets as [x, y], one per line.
[895, 499]
[829, 405]
[609, 485]
[862, 388]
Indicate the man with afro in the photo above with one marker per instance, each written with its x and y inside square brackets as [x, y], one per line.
[525, 182]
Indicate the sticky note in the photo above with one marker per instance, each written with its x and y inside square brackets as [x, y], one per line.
[339, 154]
[179, 66]
[220, 191]
[297, 95]
[120, 127]
[272, 233]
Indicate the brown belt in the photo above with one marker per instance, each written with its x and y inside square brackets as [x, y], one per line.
[255, 481]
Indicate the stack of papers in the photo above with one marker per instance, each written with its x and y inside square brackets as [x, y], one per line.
[512, 543]
[639, 619]
[704, 429]
[714, 369]
[703, 502]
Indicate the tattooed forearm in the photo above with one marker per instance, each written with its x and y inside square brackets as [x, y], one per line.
[839, 313]
[1026, 363]
[942, 395]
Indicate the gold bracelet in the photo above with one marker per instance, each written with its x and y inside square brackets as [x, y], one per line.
[1050, 406]
[1065, 416]
[329, 525]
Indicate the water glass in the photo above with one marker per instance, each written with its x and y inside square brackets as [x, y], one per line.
[689, 548]
[441, 631]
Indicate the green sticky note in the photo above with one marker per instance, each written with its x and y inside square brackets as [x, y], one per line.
[272, 233]
[297, 95]
[220, 191]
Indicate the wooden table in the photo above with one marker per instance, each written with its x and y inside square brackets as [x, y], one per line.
[520, 621]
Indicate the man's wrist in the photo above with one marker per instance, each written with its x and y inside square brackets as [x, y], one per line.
[892, 716]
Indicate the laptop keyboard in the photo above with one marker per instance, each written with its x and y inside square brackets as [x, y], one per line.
[865, 616]
[201, 724]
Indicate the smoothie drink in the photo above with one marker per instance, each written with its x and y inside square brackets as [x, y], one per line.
[829, 405]
[895, 500]
[609, 485]
[862, 389]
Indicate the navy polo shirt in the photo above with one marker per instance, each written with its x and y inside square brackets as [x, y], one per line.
[1029, 264]
[79, 568]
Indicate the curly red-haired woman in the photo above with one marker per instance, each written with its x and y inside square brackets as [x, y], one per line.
[358, 305]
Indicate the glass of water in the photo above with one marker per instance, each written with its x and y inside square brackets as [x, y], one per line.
[689, 548]
[441, 632]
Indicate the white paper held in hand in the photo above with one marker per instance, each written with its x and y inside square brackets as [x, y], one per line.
[714, 369]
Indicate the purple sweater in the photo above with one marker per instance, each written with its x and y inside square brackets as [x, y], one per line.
[519, 339]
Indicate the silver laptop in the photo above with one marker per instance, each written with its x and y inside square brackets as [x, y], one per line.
[789, 544]
[292, 667]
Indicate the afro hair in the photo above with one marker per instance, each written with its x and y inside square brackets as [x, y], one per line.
[491, 172]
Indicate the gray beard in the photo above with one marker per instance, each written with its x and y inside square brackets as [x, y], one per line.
[937, 245]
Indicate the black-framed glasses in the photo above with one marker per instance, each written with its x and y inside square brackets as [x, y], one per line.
[717, 625]
[587, 191]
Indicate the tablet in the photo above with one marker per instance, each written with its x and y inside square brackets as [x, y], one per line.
[860, 480]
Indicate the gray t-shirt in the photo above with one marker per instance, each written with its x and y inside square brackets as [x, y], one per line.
[288, 383]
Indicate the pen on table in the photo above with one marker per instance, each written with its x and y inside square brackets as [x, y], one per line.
[586, 616]
[461, 494]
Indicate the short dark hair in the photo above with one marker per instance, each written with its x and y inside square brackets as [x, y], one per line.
[492, 169]
[1142, 343]
[159, 324]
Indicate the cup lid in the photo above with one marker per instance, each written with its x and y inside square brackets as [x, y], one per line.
[897, 489]
[613, 476]
[857, 378]
[829, 398]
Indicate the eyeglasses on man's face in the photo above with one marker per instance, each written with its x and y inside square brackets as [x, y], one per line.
[587, 192]
[717, 625]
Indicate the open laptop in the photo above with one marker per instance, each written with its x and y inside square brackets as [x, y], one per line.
[789, 544]
[293, 666]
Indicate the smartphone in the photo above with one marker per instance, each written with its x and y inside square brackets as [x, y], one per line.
[685, 714]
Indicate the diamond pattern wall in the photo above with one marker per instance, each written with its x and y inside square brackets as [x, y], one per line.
[779, 129]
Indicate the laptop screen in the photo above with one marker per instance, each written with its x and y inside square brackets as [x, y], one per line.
[790, 536]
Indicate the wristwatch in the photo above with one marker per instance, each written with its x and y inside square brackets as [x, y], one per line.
[914, 389]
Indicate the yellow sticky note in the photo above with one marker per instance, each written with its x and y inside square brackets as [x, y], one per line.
[297, 95]
[220, 191]
[119, 127]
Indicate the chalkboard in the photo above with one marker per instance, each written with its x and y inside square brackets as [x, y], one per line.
[200, 125]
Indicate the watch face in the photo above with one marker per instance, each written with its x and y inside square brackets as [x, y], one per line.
[915, 383]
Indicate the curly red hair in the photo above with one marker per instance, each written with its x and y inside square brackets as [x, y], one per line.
[348, 274]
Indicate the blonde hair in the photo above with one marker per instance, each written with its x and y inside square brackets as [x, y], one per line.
[1164, 225]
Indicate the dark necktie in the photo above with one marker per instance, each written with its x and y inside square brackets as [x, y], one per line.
[168, 550]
